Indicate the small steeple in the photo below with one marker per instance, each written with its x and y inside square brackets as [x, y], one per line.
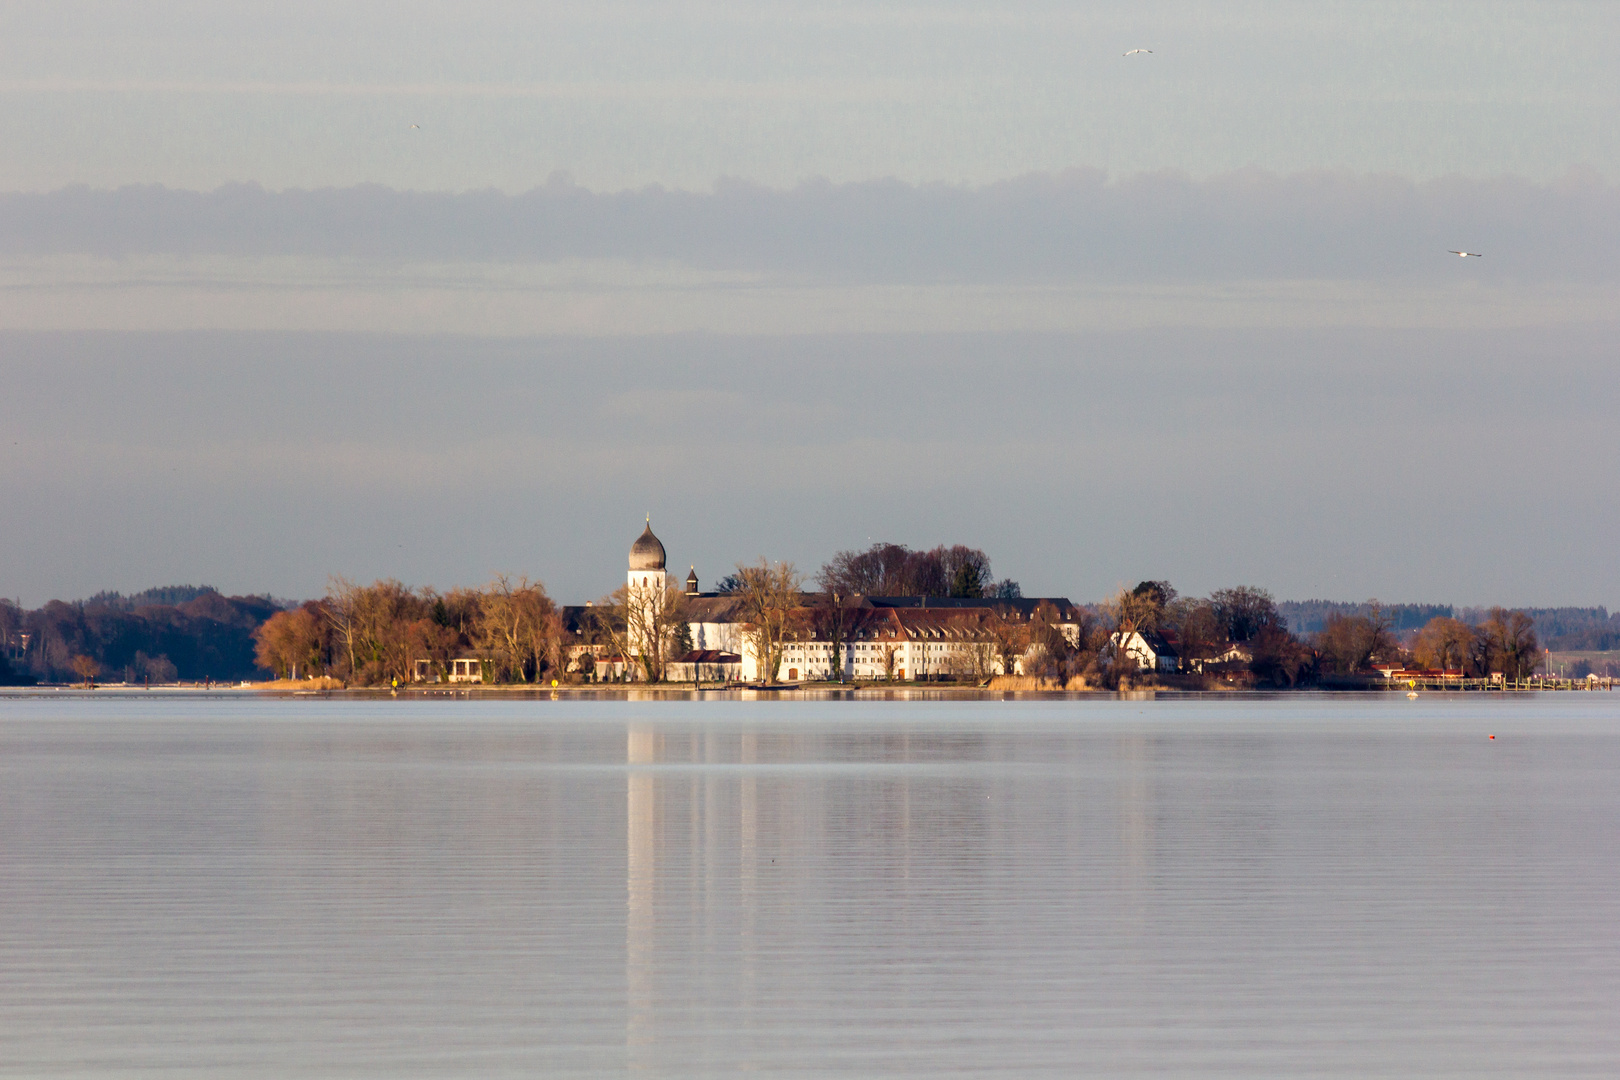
[692, 582]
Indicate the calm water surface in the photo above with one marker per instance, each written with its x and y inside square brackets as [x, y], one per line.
[1287, 887]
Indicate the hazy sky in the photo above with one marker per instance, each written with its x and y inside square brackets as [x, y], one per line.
[793, 276]
[306, 93]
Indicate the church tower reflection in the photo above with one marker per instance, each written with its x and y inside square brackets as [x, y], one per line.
[641, 859]
[693, 859]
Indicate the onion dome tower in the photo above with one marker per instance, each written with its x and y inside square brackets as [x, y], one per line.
[647, 553]
[647, 561]
[647, 586]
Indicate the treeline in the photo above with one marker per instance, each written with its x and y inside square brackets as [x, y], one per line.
[384, 632]
[1311, 616]
[1575, 629]
[1561, 629]
[1244, 629]
[204, 636]
[162, 596]
[378, 634]
[1230, 631]
[886, 569]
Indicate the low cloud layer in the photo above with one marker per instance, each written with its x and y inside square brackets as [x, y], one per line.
[1073, 226]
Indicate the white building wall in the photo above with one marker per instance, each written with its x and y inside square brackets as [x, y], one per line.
[646, 584]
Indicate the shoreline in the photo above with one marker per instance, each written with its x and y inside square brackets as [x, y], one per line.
[811, 692]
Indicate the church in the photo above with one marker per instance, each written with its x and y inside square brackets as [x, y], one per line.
[859, 638]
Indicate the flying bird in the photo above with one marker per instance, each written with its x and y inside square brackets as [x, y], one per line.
[1133, 52]
[418, 126]
[1468, 254]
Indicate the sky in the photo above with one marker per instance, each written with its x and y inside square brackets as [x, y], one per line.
[439, 291]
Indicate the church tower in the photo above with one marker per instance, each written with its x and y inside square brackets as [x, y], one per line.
[646, 604]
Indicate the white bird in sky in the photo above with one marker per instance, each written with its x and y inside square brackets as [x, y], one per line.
[416, 125]
[1133, 52]
[1468, 254]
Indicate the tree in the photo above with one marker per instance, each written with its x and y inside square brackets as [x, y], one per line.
[652, 615]
[1005, 589]
[1444, 643]
[877, 571]
[1198, 627]
[287, 640]
[1010, 635]
[1245, 611]
[831, 615]
[434, 642]
[516, 627]
[383, 613]
[886, 569]
[86, 668]
[342, 600]
[1509, 639]
[157, 669]
[373, 629]
[976, 651]
[890, 651]
[1135, 611]
[1161, 593]
[1279, 657]
[640, 624]
[967, 569]
[1349, 643]
[771, 606]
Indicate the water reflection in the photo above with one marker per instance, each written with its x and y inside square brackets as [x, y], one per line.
[1135, 830]
[911, 891]
[641, 868]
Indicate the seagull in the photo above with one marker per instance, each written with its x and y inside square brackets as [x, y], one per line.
[1133, 52]
[416, 126]
[1468, 254]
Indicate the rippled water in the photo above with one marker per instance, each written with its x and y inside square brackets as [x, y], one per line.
[1286, 887]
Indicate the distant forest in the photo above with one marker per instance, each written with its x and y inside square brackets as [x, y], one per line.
[1563, 629]
[184, 632]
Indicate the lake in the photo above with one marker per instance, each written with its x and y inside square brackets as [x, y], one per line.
[1331, 886]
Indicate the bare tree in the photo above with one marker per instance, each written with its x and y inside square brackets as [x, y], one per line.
[1351, 642]
[1444, 643]
[976, 653]
[889, 650]
[517, 627]
[654, 615]
[831, 614]
[286, 640]
[1279, 657]
[640, 623]
[1199, 626]
[339, 608]
[372, 625]
[1011, 637]
[772, 601]
[383, 614]
[1510, 642]
[1245, 611]
[1133, 611]
[886, 569]
[86, 668]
